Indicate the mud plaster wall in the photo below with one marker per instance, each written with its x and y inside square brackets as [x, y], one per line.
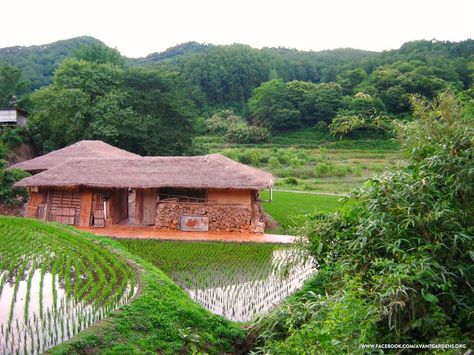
[229, 196]
[11, 211]
[222, 217]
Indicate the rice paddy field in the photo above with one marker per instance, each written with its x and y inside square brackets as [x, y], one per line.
[54, 284]
[236, 280]
[334, 171]
[290, 208]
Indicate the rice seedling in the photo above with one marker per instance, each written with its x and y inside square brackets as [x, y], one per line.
[53, 284]
[235, 280]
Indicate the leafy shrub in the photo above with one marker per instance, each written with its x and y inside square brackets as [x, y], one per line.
[291, 181]
[4, 150]
[220, 122]
[283, 157]
[243, 133]
[252, 156]
[321, 126]
[295, 162]
[319, 322]
[341, 170]
[9, 196]
[244, 158]
[274, 163]
[301, 154]
[265, 156]
[12, 137]
[357, 171]
[233, 154]
[323, 169]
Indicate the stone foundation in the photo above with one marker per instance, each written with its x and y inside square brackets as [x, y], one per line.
[222, 218]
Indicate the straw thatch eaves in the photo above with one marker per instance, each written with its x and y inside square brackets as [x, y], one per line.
[209, 171]
[82, 149]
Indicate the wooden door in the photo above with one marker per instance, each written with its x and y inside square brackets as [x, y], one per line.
[65, 207]
[99, 213]
[149, 206]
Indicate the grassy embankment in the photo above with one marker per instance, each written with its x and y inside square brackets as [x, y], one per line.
[161, 318]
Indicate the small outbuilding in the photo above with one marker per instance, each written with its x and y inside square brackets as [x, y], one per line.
[201, 193]
[13, 117]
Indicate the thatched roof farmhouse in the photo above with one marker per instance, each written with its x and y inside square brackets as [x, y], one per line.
[93, 183]
[81, 149]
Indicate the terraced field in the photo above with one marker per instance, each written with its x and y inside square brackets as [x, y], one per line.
[235, 280]
[54, 284]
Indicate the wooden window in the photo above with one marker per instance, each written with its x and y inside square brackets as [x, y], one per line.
[183, 195]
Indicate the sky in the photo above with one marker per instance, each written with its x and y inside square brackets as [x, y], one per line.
[140, 27]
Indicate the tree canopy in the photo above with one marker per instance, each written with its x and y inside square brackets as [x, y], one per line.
[142, 110]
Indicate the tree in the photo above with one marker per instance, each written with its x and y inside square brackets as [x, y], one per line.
[345, 123]
[362, 104]
[350, 79]
[12, 86]
[270, 107]
[165, 116]
[321, 103]
[99, 53]
[220, 122]
[141, 110]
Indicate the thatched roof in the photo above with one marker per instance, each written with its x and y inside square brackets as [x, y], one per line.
[209, 171]
[82, 149]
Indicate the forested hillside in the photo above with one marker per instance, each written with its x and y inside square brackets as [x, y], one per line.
[238, 93]
[38, 63]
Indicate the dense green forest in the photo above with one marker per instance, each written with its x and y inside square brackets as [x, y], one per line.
[241, 93]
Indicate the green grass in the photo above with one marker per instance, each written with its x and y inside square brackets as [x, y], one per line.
[289, 208]
[161, 318]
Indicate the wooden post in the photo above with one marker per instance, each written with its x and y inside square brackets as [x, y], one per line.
[139, 206]
[86, 209]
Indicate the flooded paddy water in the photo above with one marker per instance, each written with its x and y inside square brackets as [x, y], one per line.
[238, 297]
[53, 284]
[236, 280]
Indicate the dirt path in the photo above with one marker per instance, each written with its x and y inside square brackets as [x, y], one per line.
[149, 232]
[309, 192]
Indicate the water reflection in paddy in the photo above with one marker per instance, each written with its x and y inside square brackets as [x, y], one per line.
[36, 313]
[239, 294]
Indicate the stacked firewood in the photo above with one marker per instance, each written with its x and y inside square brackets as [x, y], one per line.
[222, 218]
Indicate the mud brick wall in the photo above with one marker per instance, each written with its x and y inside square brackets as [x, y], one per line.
[222, 218]
[11, 211]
